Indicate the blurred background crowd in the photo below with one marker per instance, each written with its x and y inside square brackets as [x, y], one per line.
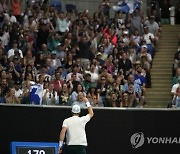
[71, 54]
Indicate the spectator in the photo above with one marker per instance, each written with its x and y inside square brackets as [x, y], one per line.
[86, 83]
[79, 100]
[57, 82]
[175, 91]
[14, 49]
[10, 97]
[2, 98]
[55, 62]
[113, 101]
[65, 94]
[18, 91]
[125, 100]
[175, 78]
[94, 75]
[50, 95]
[84, 49]
[125, 65]
[74, 95]
[148, 38]
[75, 69]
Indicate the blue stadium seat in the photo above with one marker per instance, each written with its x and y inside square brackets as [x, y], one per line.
[70, 7]
[57, 4]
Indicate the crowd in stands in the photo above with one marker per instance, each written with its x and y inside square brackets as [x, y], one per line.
[74, 54]
[175, 91]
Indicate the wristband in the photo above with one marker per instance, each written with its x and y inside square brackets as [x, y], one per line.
[60, 144]
[88, 104]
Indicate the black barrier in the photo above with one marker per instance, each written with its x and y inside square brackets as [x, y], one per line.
[111, 131]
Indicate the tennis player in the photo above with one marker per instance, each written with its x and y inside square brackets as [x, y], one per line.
[74, 129]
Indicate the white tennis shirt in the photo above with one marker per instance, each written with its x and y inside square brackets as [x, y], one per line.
[76, 134]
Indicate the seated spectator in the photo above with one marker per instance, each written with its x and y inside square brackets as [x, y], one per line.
[11, 52]
[148, 38]
[176, 61]
[29, 69]
[140, 80]
[65, 94]
[102, 87]
[131, 54]
[94, 75]
[42, 72]
[113, 101]
[18, 91]
[125, 102]
[2, 98]
[153, 28]
[125, 65]
[44, 50]
[55, 62]
[15, 68]
[175, 91]
[86, 83]
[106, 74]
[10, 97]
[75, 69]
[95, 101]
[132, 95]
[80, 100]
[40, 61]
[57, 82]
[50, 95]
[69, 62]
[27, 57]
[136, 39]
[175, 78]
[75, 91]
[109, 64]
[137, 89]
[60, 53]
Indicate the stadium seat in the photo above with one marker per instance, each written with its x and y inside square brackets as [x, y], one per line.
[57, 4]
[70, 7]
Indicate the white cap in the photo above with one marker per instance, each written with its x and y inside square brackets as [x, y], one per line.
[76, 109]
[144, 46]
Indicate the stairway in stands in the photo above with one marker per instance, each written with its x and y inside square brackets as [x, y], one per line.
[158, 96]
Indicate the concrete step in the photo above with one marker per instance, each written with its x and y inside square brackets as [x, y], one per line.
[165, 46]
[157, 90]
[161, 52]
[165, 54]
[161, 63]
[161, 77]
[161, 81]
[168, 43]
[161, 73]
[161, 67]
[160, 99]
[166, 58]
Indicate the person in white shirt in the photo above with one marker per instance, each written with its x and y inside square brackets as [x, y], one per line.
[175, 91]
[50, 95]
[74, 130]
[11, 52]
[10, 18]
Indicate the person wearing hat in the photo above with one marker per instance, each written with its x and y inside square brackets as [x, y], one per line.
[55, 62]
[74, 130]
